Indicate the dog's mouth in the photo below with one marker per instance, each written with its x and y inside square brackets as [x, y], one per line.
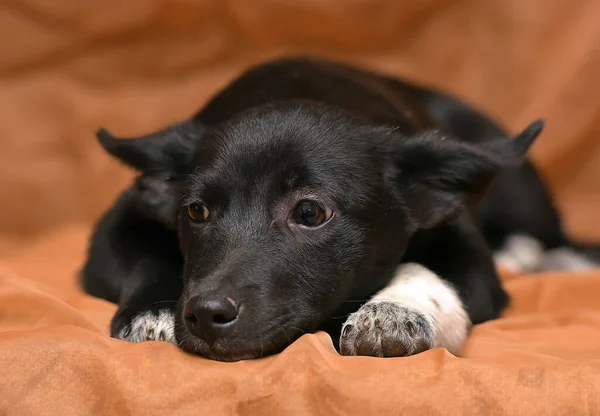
[272, 340]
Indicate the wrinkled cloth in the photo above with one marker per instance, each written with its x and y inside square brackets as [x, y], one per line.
[69, 67]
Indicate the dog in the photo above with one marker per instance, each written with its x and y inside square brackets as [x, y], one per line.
[311, 195]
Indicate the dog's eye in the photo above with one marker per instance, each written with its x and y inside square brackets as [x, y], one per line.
[198, 212]
[310, 214]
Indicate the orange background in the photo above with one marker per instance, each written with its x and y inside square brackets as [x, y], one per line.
[68, 67]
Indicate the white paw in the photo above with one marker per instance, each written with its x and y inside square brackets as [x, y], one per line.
[417, 311]
[387, 329]
[150, 326]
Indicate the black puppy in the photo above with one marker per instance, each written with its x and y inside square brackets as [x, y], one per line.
[308, 190]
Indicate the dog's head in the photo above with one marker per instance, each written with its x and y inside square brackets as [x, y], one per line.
[288, 211]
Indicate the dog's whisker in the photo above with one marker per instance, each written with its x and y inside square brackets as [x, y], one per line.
[287, 336]
[183, 339]
[298, 329]
[365, 301]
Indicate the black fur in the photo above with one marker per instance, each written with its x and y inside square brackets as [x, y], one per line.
[410, 174]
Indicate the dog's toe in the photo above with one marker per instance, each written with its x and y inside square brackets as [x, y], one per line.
[147, 326]
[386, 329]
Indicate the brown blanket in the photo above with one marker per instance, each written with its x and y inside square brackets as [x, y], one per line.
[68, 67]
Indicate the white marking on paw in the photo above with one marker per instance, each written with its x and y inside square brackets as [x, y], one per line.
[520, 254]
[149, 326]
[418, 292]
[566, 259]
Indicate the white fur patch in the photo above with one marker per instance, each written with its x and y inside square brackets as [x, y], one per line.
[416, 311]
[566, 259]
[524, 254]
[520, 254]
[149, 326]
[418, 288]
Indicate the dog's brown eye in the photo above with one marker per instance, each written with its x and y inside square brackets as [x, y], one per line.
[198, 212]
[310, 214]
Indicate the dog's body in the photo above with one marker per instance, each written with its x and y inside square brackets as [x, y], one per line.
[307, 188]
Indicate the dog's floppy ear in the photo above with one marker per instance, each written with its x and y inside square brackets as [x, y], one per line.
[168, 150]
[437, 175]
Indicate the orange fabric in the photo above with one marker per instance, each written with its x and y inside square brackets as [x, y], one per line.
[68, 67]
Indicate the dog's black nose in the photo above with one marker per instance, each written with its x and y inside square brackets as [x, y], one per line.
[210, 317]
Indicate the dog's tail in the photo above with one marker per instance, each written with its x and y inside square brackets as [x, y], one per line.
[573, 256]
[523, 254]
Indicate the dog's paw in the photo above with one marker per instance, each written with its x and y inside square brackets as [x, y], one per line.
[387, 329]
[520, 254]
[149, 325]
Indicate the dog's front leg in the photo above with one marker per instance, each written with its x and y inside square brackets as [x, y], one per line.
[147, 305]
[135, 261]
[447, 284]
[417, 311]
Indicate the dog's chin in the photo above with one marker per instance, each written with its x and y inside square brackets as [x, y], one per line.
[234, 349]
[216, 353]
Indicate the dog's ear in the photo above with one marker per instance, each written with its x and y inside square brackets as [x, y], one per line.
[437, 175]
[169, 150]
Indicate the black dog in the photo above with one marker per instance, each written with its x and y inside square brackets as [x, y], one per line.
[307, 188]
